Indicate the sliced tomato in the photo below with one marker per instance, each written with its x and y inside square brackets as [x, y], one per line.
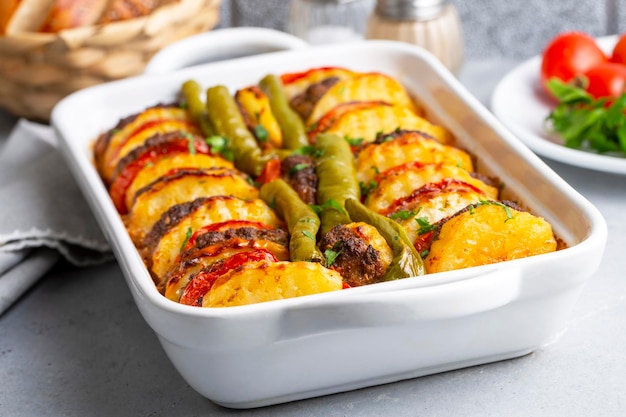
[125, 178]
[271, 171]
[291, 77]
[424, 241]
[201, 284]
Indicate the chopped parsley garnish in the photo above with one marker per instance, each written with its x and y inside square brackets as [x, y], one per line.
[261, 133]
[388, 138]
[328, 204]
[367, 188]
[424, 253]
[506, 208]
[403, 214]
[331, 256]
[309, 150]
[308, 234]
[190, 141]
[424, 225]
[219, 145]
[376, 170]
[298, 167]
[354, 141]
[187, 237]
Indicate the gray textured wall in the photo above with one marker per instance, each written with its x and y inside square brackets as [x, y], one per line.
[492, 28]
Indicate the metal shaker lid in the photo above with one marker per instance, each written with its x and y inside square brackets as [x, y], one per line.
[410, 9]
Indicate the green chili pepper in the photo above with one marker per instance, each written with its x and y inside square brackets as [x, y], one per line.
[292, 126]
[406, 261]
[228, 122]
[192, 94]
[336, 179]
[301, 220]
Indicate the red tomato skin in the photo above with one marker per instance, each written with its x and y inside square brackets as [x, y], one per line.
[607, 79]
[568, 55]
[619, 51]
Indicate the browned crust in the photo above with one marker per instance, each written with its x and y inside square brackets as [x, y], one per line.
[303, 179]
[152, 142]
[358, 262]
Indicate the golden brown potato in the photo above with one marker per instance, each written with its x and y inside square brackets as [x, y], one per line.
[431, 203]
[166, 240]
[362, 87]
[178, 278]
[144, 133]
[297, 82]
[110, 143]
[179, 187]
[401, 181]
[366, 123]
[268, 281]
[151, 172]
[256, 107]
[486, 234]
[407, 146]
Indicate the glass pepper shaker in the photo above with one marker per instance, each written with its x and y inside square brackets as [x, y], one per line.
[329, 21]
[432, 24]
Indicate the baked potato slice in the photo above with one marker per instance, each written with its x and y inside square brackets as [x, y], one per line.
[367, 123]
[486, 233]
[255, 106]
[295, 83]
[362, 87]
[207, 265]
[328, 119]
[180, 186]
[167, 238]
[431, 203]
[267, 281]
[108, 144]
[163, 166]
[405, 146]
[401, 181]
[142, 134]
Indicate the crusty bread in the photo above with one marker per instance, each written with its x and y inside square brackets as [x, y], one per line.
[67, 14]
[7, 8]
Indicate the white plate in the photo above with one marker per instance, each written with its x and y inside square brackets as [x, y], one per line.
[522, 105]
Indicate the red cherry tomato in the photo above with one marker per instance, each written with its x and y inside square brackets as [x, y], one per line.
[607, 79]
[568, 55]
[619, 51]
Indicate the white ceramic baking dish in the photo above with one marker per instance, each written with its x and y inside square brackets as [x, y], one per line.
[291, 349]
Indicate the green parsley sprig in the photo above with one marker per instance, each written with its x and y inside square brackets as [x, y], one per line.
[584, 122]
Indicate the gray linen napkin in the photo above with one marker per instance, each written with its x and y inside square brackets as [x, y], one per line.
[41, 208]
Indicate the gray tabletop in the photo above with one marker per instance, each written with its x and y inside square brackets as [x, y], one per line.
[76, 345]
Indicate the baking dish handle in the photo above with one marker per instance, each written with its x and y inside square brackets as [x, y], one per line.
[219, 45]
[438, 302]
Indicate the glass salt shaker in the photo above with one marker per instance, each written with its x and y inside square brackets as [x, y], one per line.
[432, 24]
[329, 21]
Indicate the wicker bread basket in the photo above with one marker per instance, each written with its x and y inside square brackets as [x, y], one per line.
[39, 69]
